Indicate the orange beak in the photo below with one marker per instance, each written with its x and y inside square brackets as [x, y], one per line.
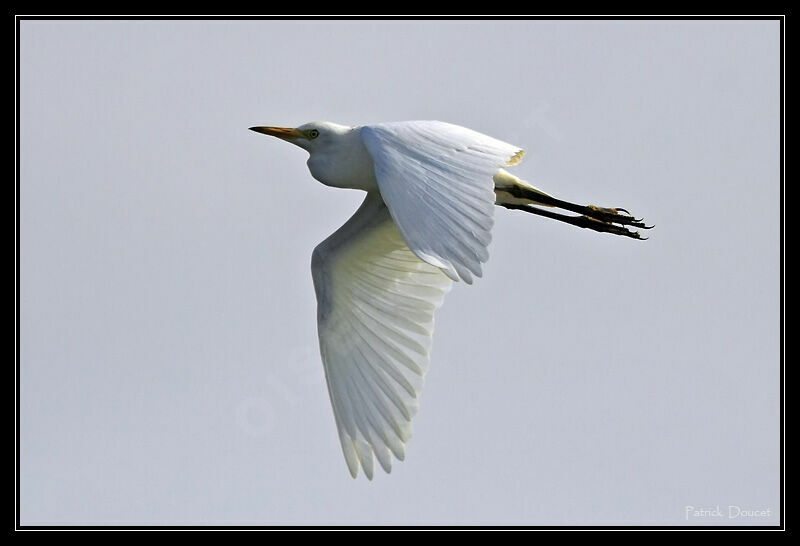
[285, 133]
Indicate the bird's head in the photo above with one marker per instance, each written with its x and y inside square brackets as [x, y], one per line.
[313, 136]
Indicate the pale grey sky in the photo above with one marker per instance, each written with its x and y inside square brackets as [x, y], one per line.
[169, 362]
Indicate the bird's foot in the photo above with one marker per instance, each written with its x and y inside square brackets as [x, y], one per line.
[616, 215]
[615, 226]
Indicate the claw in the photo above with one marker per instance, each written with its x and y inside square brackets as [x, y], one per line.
[616, 215]
[606, 227]
[613, 220]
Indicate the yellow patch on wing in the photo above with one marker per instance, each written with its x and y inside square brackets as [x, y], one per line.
[516, 158]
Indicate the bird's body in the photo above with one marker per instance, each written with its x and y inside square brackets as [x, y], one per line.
[425, 222]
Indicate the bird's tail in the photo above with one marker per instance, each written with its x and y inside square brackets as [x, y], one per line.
[513, 193]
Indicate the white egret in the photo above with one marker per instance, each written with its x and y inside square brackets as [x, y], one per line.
[425, 222]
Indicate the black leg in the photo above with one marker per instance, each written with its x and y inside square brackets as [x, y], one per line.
[583, 221]
[604, 215]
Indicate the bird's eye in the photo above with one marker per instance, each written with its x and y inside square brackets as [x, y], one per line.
[313, 133]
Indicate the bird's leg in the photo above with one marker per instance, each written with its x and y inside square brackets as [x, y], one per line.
[615, 215]
[511, 190]
[580, 221]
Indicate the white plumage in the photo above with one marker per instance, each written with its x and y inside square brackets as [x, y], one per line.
[376, 301]
[426, 221]
[436, 179]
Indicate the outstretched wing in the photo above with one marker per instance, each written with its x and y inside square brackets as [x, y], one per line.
[375, 305]
[436, 179]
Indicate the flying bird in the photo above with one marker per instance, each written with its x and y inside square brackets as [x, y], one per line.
[426, 221]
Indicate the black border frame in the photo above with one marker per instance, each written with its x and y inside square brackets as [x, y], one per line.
[19, 18]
